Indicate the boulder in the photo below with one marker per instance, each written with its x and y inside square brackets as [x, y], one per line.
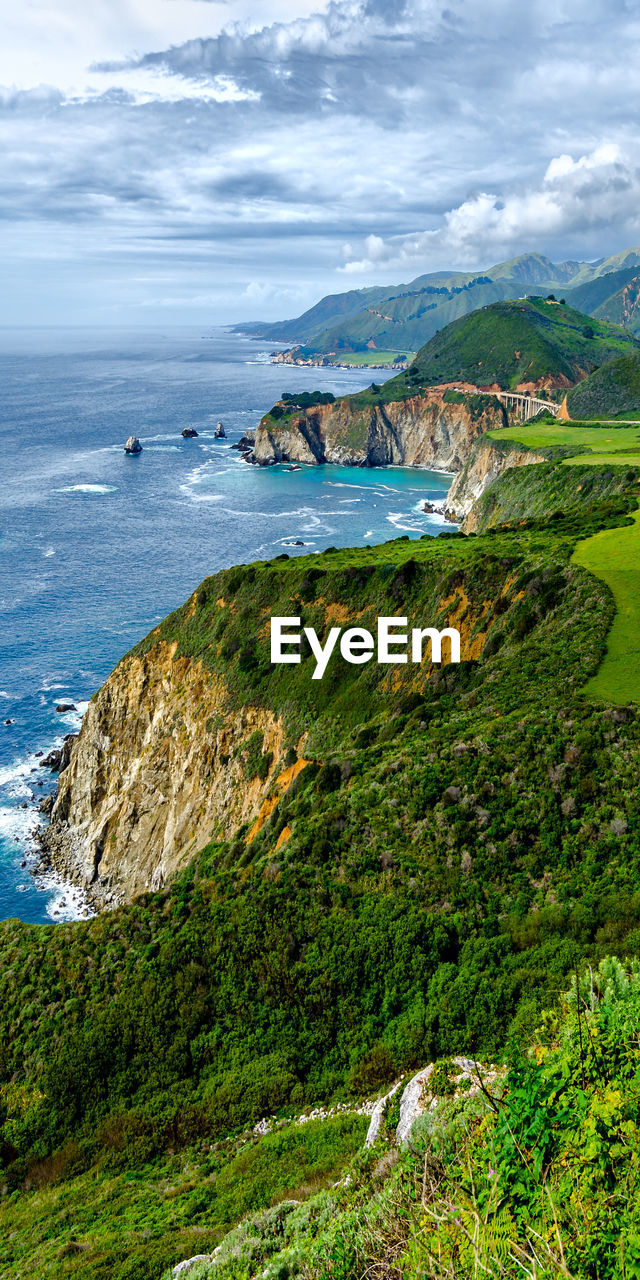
[65, 706]
[246, 442]
[133, 445]
[189, 433]
[52, 760]
[183, 1267]
[47, 803]
[219, 433]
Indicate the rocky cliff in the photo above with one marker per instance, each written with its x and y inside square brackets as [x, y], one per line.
[160, 768]
[421, 431]
[486, 461]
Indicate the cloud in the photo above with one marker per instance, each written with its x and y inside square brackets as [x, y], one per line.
[415, 135]
[574, 200]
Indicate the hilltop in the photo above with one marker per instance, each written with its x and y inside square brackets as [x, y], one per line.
[529, 344]
[401, 318]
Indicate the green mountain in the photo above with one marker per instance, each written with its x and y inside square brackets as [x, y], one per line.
[402, 318]
[611, 392]
[513, 343]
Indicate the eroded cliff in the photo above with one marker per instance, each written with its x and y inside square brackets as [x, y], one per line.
[485, 463]
[196, 736]
[160, 767]
[421, 431]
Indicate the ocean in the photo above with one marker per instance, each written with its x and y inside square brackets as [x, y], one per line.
[97, 546]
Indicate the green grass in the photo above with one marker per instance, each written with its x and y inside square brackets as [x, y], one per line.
[513, 342]
[614, 556]
[365, 358]
[100, 1224]
[630, 459]
[607, 439]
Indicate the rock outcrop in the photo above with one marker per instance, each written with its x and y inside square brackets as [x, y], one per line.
[157, 771]
[421, 431]
[487, 460]
[133, 445]
[465, 1076]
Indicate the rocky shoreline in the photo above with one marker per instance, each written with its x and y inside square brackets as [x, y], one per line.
[53, 857]
[326, 362]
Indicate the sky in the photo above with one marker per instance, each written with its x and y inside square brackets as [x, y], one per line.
[213, 161]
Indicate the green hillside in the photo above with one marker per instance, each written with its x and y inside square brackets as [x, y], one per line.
[509, 343]
[460, 841]
[610, 392]
[404, 317]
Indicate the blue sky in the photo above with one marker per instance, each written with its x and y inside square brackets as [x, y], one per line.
[169, 161]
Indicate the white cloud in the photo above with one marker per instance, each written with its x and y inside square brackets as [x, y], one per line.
[575, 197]
[250, 141]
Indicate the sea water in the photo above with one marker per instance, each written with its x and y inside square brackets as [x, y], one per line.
[97, 546]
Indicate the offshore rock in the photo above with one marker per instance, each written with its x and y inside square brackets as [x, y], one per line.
[189, 433]
[246, 442]
[133, 445]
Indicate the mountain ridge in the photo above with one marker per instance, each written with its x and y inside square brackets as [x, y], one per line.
[353, 322]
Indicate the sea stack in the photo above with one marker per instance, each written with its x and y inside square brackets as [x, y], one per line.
[133, 445]
[189, 433]
[219, 433]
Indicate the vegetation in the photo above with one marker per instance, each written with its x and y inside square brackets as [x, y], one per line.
[613, 445]
[514, 342]
[545, 494]
[111, 1224]
[540, 1177]
[615, 558]
[610, 392]
[404, 317]
[459, 841]
[293, 403]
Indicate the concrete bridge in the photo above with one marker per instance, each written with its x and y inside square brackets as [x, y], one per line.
[522, 404]
[525, 406]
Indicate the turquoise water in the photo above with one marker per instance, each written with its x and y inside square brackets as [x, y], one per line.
[96, 547]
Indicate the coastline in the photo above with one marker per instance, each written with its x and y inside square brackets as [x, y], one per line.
[25, 823]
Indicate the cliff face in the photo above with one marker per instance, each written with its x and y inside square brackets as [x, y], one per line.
[417, 432]
[158, 770]
[485, 463]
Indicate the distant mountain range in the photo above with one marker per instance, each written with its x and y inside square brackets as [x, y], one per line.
[402, 318]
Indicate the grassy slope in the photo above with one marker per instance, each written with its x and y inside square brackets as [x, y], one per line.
[107, 1222]
[601, 296]
[612, 391]
[515, 342]
[608, 439]
[614, 556]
